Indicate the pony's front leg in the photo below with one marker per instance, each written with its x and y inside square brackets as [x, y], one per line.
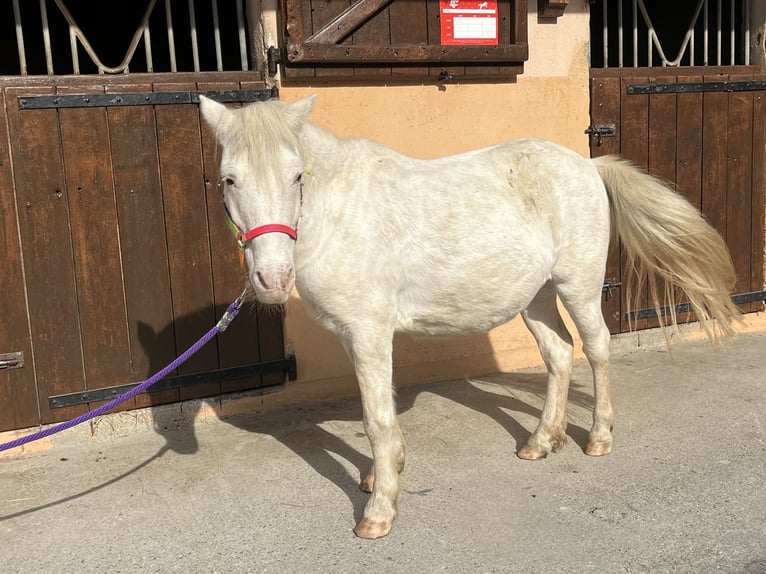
[371, 354]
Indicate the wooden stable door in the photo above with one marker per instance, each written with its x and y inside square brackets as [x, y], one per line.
[117, 256]
[704, 129]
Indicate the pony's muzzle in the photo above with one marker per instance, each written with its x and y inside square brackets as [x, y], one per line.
[273, 285]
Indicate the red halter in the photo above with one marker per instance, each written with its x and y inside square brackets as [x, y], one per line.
[244, 236]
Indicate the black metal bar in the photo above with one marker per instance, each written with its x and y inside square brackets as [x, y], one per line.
[142, 98]
[691, 87]
[273, 58]
[741, 299]
[610, 283]
[287, 366]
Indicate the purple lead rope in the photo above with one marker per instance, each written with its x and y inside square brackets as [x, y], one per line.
[221, 326]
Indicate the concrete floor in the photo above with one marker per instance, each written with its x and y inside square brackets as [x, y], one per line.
[683, 491]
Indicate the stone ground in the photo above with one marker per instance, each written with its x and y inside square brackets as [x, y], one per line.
[683, 491]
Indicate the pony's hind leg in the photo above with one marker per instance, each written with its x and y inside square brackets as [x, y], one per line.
[371, 353]
[542, 318]
[584, 306]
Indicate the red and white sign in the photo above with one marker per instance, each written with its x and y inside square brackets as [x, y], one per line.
[468, 22]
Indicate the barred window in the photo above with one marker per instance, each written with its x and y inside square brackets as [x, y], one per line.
[79, 37]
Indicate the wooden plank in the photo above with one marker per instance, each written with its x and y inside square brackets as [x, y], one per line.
[739, 184]
[95, 243]
[323, 12]
[714, 136]
[634, 146]
[351, 54]
[347, 21]
[409, 26]
[18, 393]
[48, 259]
[758, 198]
[689, 144]
[184, 201]
[662, 133]
[297, 17]
[689, 155]
[663, 114]
[520, 29]
[143, 242]
[641, 75]
[376, 32]
[605, 109]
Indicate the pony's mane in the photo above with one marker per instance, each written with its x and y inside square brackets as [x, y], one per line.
[260, 127]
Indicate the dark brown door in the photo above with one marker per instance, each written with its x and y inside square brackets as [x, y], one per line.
[117, 256]
[704, 130]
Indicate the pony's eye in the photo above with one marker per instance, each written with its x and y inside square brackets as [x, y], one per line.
[299, 179]
[228, 181]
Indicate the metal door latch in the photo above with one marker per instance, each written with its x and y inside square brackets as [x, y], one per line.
[601, 130]
[610, 285]
[11, 360]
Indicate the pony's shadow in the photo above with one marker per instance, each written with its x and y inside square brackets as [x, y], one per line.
[301, 429]
[323, 450]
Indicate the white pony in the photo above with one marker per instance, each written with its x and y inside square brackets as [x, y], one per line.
[451, 246]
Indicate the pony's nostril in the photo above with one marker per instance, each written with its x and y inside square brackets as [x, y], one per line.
[261, 280]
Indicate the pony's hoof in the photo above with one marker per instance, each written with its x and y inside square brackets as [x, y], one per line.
[370, 529]
[528, 452]
[598, 448]
[535, 448]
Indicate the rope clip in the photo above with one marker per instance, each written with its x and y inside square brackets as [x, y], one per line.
[232, 311]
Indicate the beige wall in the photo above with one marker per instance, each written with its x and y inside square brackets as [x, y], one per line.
[549, 100]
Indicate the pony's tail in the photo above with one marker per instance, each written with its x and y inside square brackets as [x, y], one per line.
[666, 240]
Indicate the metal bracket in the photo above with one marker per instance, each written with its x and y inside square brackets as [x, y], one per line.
[11, 360]
[696, 87]
[741, 299]
[601, 130]
[287, 366]
[273, 58]
[141, 98]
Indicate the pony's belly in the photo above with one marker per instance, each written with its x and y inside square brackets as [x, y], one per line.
[455, 326]
[465, 303]
[449, 318]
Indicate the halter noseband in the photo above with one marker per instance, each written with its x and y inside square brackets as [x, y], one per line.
[244, 236]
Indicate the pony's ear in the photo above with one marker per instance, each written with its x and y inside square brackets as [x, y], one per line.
[298, 112]
[212, 111]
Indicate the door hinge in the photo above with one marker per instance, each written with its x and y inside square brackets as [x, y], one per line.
[273, 58]
[601, 130]
[11, 360]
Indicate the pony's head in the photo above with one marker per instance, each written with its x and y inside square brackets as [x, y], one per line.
[261, 171]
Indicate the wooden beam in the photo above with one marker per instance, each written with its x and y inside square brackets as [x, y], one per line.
[347, 21]
[322, 53]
